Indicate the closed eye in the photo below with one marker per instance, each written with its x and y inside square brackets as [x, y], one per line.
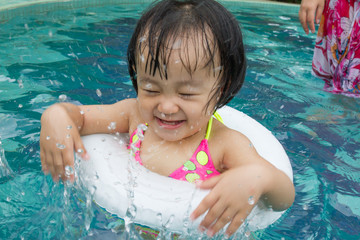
[187, 95]
[151, 92]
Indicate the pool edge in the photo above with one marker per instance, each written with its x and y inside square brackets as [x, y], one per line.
[19, 8]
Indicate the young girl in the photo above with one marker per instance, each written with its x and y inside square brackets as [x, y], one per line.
[186, 59]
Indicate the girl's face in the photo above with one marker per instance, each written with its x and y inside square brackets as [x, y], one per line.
[175, 108]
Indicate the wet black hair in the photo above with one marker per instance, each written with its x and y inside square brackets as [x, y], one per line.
[168, 20]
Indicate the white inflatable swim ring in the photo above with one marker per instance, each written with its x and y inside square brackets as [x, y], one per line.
[161, 202]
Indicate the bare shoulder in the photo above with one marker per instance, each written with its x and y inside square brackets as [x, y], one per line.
[236, 149]
[129, 109]
[229, 137]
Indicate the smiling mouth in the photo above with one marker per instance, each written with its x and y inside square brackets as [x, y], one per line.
[169, 124]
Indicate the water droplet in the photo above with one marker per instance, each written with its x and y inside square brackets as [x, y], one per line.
[82, 112]
[112, 126]
[98, 92]
[282, 106]
[69, 127]
[96, 177]
[251, 200]
[8, 199]
[69, 171]
[48, 138]
[92, 189]
[60, 146]
[20, 106]
[80, 150]
[131, 212]
[62, 98]
[305, 207]
[217, 69]
[142, 39]
[177, 44]
[159, 217]
[142, 127]
[68, 136]
[50, 33]
[21, 84]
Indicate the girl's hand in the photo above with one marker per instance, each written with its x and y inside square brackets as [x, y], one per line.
[234, 194]
[309, 9]
[59, 136]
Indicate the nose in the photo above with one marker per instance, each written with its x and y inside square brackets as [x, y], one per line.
[167, 106]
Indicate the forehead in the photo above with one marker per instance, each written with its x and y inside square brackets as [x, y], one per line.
[192, 50]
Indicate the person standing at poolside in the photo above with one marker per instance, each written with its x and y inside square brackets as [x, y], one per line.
[337, 49]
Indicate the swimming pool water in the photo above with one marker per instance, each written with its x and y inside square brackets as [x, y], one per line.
[80, 53]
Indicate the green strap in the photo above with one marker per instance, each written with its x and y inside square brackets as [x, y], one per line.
[208, 130]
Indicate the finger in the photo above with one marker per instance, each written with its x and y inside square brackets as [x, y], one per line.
[235, 224]
[319, 11]
[208, 184]
[310, 20]
[302, 18]
[204, 205]
[68, 161]
[44, 166]
[58, 166]
[212, 216]
[220, 223]
[80, 148]
[50, 164]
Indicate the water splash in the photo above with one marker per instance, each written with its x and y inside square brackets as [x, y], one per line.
[5, 170]
[130, 231]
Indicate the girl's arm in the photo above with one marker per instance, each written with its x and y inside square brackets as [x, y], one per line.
[308, 10]
[236, 191]
[63, 124]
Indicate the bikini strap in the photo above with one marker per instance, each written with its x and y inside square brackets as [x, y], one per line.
[208, 130]
[218, 117]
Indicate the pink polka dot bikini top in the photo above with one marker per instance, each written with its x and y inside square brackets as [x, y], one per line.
[199, 167]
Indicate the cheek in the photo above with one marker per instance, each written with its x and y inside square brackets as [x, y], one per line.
[145, 107]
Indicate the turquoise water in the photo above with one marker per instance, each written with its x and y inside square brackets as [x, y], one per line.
[81, 54]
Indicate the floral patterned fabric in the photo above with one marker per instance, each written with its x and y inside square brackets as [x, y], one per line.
[337, 49]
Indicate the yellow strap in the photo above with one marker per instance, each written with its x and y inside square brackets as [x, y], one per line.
[208, 130]
[218, 117]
